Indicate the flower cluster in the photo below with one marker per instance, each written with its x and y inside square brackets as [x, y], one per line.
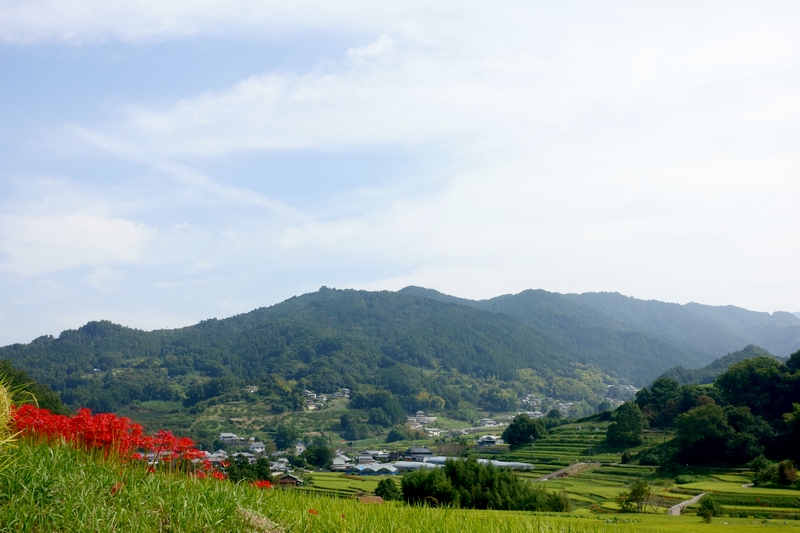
[107, 432]
[262, 484]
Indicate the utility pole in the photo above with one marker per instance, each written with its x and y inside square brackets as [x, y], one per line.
[532, 439]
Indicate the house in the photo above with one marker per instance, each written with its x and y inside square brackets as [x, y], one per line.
[281, 465]
[433, 432]
[251, 459]
[364, 458]
[418, 453]
[229, 438]
[487, 422]
[378, 455]
[288, 480]
[490, 440]
[340, 464]
[257, 447]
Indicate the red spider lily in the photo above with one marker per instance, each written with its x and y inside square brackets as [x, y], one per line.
[107, 432]
[313, 511]
[262, 484]
[201, 475]
[116, 487]
[216, 474]
[225, 464]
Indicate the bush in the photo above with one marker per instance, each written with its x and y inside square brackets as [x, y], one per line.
[388, 490]
[470, 484]
[708, 508]
[787, 473]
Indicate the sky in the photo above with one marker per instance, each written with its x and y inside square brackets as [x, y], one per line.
[168, 162]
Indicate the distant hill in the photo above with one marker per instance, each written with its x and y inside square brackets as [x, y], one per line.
[325, 340]
[778, 332]
[710, 372]
[593, 336]
[428, 349]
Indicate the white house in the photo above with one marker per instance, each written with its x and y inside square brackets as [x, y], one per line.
[257, 447]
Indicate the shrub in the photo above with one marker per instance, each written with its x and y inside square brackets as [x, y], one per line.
[388, 490]
[787, 473]
[708, 508]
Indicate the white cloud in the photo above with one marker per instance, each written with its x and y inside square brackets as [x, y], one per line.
[104, 278]
[36, 245]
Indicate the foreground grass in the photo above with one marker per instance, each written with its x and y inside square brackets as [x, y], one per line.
[56, 488]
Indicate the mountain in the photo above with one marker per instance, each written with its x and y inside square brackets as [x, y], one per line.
[709, 373]
[778, 332]
[427, 349]
[593, 336]
[402, 343]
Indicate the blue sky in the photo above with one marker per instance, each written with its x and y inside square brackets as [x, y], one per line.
[163, 164]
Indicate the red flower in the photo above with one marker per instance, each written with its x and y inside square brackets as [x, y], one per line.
[107, 432]
[216, 474]
[262, 484]
[313, 511]
[116, 487]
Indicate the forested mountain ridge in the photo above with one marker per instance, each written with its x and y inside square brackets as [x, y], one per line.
[419, 349]
[696, 331]
[427, 349]
[710, 372]
[592, 336]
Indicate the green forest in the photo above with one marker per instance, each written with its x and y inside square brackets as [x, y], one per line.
[398, 352]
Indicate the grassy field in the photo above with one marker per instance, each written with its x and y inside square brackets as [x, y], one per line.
[59, 489]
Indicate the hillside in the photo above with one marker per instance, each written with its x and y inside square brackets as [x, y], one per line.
[593, 336]
[427, 350]
[709, 373]
[458, 356]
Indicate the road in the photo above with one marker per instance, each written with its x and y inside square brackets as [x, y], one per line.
[677, 510]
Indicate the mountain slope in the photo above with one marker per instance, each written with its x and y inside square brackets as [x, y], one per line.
[709, 373]
[323, 340]
[778, 332]
[593, 336]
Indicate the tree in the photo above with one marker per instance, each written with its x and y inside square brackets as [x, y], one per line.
[756, 383]
[388, 490]
[626, 430]
[286, 436]
[520, 431]
[636, 498]
[661, 403]
[240, 469]
[708, 508]
[703, 433]
[319, 456]
[399, 433]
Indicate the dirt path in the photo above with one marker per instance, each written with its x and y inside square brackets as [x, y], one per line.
[676, 510]
[567, 471]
